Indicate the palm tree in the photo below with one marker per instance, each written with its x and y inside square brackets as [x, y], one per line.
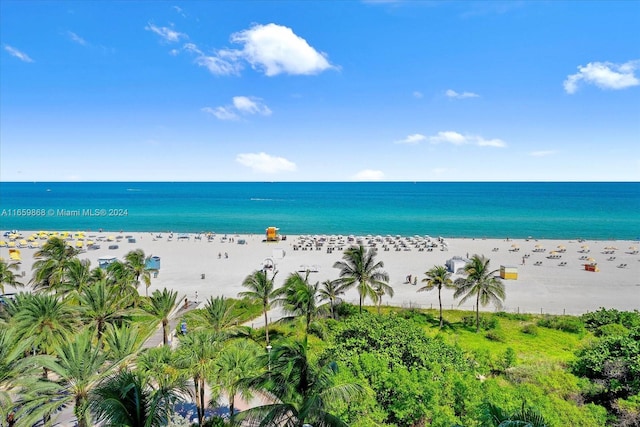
[18, 374]
[331, 291]
[481, 282]
[51, 265]
[159, 365]
[261, 290]
[304, 391]
[218, 315]
[437, 278]
[236, 362]
[79, 366]
[197, 355]
[360, 269]
[123, 343]
[123, 278]
[126, 399]
[77, 277]
[160, 305]
[7, 275]
[382, 289]
[524, 417]
[43, 320]
[101, 305]
[136, 261]
[300, 298]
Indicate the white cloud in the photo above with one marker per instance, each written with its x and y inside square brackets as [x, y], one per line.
[542, 153]
[604, 75]
[265, 163]
[369, 175]
[450, 137]
[276, 49]
[418, 95]
[412, 139]
[456, 138]
[222, 113]
[242, 105]
[250, 105]
[168, 34]
[76, 38]
[453, 94]
[18, 54]
[218, 66]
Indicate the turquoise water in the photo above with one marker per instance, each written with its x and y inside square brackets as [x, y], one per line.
[492, 210]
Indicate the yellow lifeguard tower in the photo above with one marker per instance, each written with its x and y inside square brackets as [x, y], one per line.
[272, 234]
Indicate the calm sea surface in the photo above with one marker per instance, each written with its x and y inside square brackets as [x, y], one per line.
[492, 210]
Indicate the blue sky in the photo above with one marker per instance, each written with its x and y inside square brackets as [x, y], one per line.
[319, 91]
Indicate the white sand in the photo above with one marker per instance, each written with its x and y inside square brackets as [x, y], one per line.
[549, 288]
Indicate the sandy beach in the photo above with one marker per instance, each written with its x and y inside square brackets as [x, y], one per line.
[547, 282]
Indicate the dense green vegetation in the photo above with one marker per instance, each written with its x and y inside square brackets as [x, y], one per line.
[77, 342]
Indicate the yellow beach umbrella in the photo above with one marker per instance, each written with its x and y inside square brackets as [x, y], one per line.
[590, 259]
[538, 246]
[633, 248]
[585, 246]
[561, 247]
[514, 246]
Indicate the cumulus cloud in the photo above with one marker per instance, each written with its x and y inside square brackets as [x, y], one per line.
[18, 54]
[167, 34]
[605, 75]
[456, 138]
[272, 49]
[242, 105]
[265, 163]
[412, 139]
[453, 94]
[76, 38]
[276, 49]
[369, 175]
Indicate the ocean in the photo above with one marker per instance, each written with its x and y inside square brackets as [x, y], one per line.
[554, 210]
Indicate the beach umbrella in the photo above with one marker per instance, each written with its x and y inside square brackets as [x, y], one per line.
[590, 259]
[561, 247]
[585, 246]
[633, 248]
[538, 246]
[514, 246]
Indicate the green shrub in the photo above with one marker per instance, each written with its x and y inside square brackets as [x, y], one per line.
[612, 329]
[486, 322]
[514, 316]
[495, 335]
[418, 316]
[569, 324]
[530, 329]
[344, 310]
[601, 317]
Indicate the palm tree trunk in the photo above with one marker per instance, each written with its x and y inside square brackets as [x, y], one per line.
[266, 325]
[440, 302]
[196, 386]
[232, 399]
[360, 304]
[80, 417]
[478, 312]
[165, 331]
[202, 400]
